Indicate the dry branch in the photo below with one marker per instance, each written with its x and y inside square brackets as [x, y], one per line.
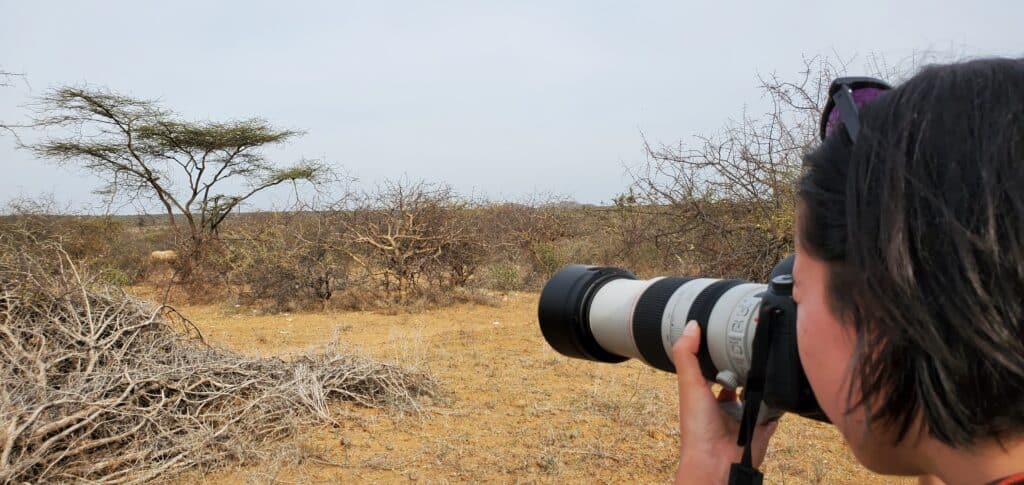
[98, 386]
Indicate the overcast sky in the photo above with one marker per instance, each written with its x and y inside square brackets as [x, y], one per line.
[496, 98]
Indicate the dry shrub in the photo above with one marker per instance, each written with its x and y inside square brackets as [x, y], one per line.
[415, 238]
[529, 240]
[636, 237]
[107, 243]
[503, 276]
[404, 247]
[290, 260]
[723, 205]
[96, 385]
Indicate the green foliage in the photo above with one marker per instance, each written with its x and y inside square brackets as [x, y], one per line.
[166, 134]
[116, 277]
[503, 276]
[307, 170]
[548, 258]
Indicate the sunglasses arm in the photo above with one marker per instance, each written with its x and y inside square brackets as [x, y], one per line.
[843, 99]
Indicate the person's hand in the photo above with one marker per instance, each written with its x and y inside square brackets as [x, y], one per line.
[707, 435]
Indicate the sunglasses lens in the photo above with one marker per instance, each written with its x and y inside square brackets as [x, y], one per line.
[861, 96]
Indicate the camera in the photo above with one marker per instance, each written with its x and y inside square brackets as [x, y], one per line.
[748, 329]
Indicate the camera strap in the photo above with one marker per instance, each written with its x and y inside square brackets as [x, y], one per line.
[744, 472]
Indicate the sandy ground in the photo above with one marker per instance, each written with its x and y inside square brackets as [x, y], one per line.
[514, 410]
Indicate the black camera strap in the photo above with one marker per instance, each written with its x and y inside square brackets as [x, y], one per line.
[744, 472]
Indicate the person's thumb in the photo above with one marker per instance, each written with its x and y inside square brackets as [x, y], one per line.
[684, 353]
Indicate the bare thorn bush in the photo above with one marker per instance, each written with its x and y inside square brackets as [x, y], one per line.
[416, 238]
[106, 243]
[291, 260]
[98, 386]
[723, 205]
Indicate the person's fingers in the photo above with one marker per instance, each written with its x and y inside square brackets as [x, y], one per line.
[684, 354]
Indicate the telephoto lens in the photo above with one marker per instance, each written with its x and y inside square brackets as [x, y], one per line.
[608, 315]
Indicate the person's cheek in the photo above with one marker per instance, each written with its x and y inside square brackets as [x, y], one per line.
[802, 341]
[805, 347]
[815, 364]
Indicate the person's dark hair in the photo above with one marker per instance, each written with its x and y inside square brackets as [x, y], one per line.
[921, 223]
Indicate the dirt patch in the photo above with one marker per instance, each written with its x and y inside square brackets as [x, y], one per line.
[514, 410]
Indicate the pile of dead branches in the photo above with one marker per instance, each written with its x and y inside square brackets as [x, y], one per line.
[96, 385]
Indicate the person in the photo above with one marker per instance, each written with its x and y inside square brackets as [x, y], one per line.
[909, 281]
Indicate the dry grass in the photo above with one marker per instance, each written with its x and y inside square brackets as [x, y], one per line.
[516, 411]
[99, 386]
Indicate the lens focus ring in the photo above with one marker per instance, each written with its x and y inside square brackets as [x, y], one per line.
[700, 311]
[647, 322]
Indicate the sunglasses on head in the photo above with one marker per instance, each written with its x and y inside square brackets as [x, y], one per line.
[845, 97]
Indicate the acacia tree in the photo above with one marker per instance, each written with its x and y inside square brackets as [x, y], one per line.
[7, 77]
[6, 81]
[198, 171]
